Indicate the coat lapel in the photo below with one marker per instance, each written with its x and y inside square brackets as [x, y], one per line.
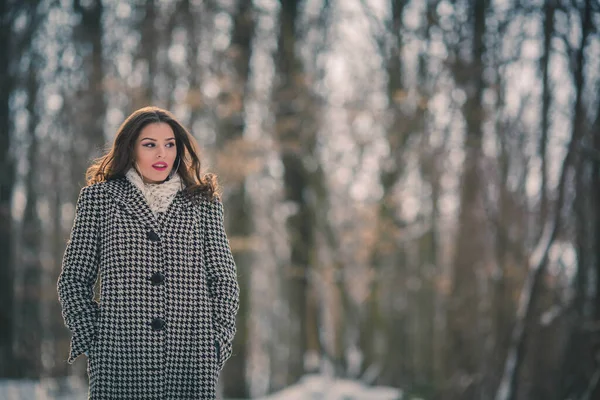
[132, 201]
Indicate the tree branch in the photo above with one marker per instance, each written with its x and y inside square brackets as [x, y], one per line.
[537, 263]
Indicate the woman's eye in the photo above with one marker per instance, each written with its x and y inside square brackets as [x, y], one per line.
[149, 145]
[170, 144]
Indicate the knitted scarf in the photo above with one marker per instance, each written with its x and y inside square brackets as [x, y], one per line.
[158, 195]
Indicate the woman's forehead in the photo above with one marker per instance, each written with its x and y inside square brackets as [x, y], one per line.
[157, 131]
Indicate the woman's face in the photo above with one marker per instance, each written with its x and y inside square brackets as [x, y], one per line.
[155, 152]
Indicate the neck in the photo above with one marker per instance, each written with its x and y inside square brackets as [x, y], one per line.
[145, 180]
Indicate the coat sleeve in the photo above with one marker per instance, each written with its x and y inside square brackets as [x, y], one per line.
[78, 276]
[222, 280]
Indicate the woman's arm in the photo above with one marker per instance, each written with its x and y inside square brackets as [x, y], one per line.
[222, 279]
[78, 276]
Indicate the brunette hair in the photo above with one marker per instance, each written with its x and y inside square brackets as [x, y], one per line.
[117, 161]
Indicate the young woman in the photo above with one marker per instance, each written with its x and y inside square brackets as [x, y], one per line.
[149, 225]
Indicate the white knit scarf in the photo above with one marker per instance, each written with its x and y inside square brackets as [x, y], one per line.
[158, 195]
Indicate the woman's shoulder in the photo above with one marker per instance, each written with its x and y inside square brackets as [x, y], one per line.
[207, 208]
[211, 207]
[100, 190]
[95, 188]
[201, 198]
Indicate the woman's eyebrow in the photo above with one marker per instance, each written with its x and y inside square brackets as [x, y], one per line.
[154, 140]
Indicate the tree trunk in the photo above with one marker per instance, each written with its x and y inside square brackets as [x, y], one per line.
[149, 48]
[59, 334]
[14, 45]
[594, 392]
[295, 131]
[375, 324]
[93, 105]
[549, 10]
[193, 24]
[508, 388]
[578, 361]
[7, 181]
[28, 327]
[240, 223]
[464, 336]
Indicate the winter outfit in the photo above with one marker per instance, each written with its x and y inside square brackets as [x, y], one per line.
[158, 196]
[165, 322]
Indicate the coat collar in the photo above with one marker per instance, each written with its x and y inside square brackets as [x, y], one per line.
[131, 199]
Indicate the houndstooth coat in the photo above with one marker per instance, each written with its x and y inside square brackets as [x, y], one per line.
[165, 322]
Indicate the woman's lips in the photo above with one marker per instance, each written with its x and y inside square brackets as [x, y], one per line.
[159, 166]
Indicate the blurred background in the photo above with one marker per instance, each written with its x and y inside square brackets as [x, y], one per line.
[411, 188]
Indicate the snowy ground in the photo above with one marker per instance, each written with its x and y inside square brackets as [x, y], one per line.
[50, 389]
[309, 388]
[319, 387]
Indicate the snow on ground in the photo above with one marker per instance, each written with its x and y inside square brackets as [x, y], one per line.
[71, 388]
[323, 388]
[310, 387]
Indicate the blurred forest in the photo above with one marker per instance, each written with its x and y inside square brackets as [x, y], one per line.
[411, 188]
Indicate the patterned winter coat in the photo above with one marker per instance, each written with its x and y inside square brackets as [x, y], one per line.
[165, 322]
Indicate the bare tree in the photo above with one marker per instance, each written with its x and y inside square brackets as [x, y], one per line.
[88, 34]
[296, 135]
[15, 43]
[87, 105]
[580, 353]
[231, 142]
[537, 262]
[148, 52]
[28, 346]
[6, 190]
[464, 344]
[593, 387]
[549, 10]
[7, 181]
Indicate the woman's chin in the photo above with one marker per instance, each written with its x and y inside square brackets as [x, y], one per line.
[155, 176]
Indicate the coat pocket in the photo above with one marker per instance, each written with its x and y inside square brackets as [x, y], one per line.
[218, 353]
[83, 335]
[223, 352]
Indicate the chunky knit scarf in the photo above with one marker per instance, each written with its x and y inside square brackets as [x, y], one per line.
[158, 195]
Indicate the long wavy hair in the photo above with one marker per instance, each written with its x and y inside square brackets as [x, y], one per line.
[117, 161]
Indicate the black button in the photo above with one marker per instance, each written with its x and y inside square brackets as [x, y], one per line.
[158, 324]
[157, 278]
[153, 236]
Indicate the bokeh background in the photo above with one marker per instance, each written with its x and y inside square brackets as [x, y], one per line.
[411, 188]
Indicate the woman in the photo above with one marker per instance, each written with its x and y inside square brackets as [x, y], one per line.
[150, 227]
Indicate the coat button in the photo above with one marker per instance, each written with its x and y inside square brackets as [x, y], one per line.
[158, 324]
[153, 236]
[157, 278]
